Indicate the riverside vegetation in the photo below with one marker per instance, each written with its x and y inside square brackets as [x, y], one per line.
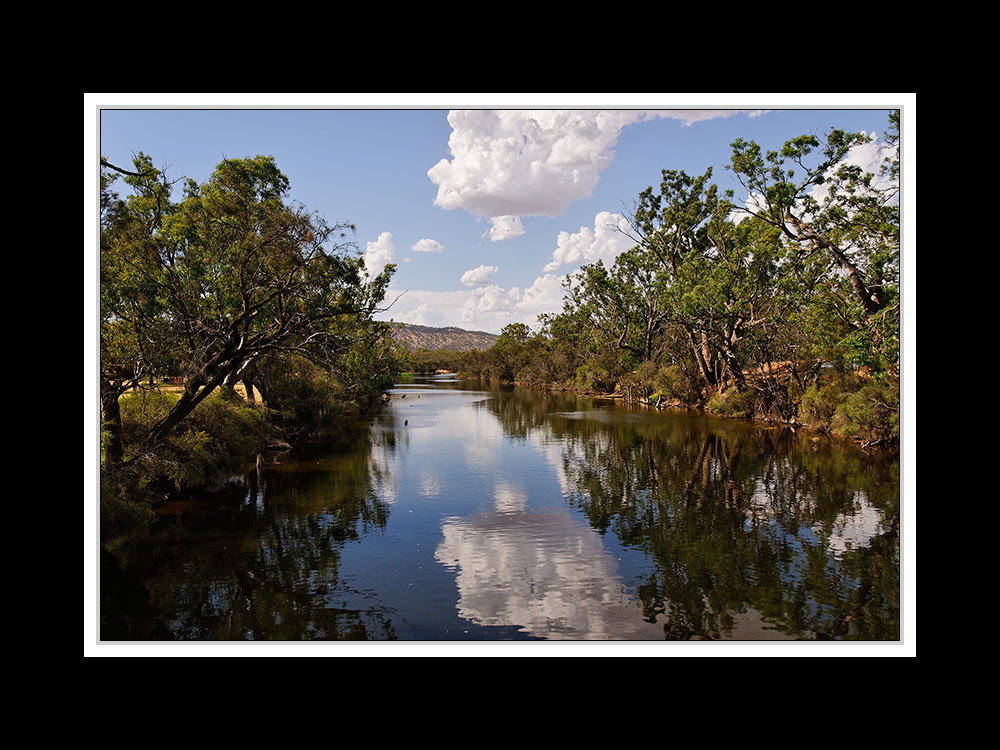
[229, 285]
[784, 310]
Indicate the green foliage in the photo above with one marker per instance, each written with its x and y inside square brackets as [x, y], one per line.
[219, 440]
[221, 436]
[818, 405]
[512, 351]
[674, 385]
[743, 310]
[228, 284]
[306, 400]
[430, 360]
[368, 365]
[123, 512]
[871, 415]
[211, 287]
[822, 201]
[874, 344]
[595, 377]
[734, 403]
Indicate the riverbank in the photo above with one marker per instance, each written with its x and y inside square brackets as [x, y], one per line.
[853, 407]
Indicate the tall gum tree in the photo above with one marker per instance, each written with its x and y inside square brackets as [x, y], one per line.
[132, 315]
[208, 287]
[681, 230]
[814, 193]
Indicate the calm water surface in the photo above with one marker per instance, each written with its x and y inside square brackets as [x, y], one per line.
[459, 513]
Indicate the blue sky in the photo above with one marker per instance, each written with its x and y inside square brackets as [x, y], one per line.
[484, 208]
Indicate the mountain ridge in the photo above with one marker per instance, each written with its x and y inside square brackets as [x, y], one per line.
[449, 337]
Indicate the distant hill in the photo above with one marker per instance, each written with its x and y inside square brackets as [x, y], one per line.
[426, 337]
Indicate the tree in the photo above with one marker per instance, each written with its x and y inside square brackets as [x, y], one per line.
[208, 287]
[682, 226]
[131, 326]
[817, 197]
[510, 350]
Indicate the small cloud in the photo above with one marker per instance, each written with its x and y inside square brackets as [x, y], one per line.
[427, 246]
[483, 308]
[479, 276]
[505, 228]
[606, 241]
[379, 253]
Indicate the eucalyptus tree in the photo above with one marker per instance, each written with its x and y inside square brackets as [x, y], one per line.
[818, 195]
[207, 287]
[628, 301]
[601, 324]
[132, 325]
[701, 289]
[718, 277]
[679, 229]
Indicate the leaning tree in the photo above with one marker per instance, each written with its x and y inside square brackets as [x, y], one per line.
[207, 287]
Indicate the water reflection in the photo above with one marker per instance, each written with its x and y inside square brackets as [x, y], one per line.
[545, 572]
[735, 520]
[262, 561]
[460, 513]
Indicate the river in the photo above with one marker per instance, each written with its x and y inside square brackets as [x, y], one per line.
[462, 513]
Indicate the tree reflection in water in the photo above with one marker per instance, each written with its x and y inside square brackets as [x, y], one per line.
[526, 515]
[749, 529]
[262, 561]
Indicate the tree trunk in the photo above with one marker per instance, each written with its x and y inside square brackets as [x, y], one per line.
[112, 422]
[193, 395]
[869, 298]
[702, 357]
[248, 385]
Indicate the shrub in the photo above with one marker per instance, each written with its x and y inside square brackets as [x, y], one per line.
[871, 415]
[674, 385]
[818, 405]
[214, 442]
[820, 400]
[308, 401]
[221, 437]
[123, 512]
[593, 378]
[733, 402]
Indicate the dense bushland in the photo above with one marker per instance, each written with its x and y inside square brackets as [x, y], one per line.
[784, 307]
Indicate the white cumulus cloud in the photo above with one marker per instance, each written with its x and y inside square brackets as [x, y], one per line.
[484, 308]
[427, 246]
[479, 276]
[505, 227]
[379, 253]
[604, 242]
[543, 296]
[514, 163]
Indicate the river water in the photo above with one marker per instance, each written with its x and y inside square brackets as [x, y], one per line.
[460, 513]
